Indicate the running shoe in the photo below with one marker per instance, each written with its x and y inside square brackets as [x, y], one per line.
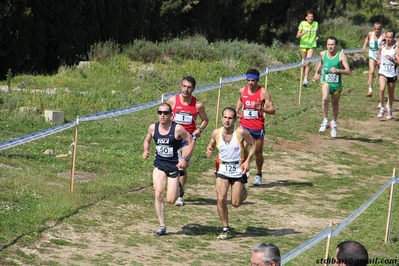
[258, 181]
[334, 130]
[305, 83]
[224, 235]
[179, 202]
[324, 126]
[369, 94]
[381, 113]
[161, 231]
[389, 114]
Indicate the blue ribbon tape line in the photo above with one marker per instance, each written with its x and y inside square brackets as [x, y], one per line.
[335, 231]
[102, 115]
[47, 132]
[34, 136]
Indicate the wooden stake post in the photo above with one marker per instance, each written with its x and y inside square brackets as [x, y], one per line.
[328, 244]
[218, 103]
[75, 142]
[300, 83]
[390, 209]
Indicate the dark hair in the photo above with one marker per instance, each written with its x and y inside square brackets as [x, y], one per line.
[270, 253]
[191, 80]
[309, 11]
[353, 253]
[231, 109]
[392, 31]
[166, 104]
[333, 38]
[253, 71]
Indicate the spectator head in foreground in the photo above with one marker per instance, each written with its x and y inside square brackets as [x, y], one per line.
[265, 255]
[351, 253]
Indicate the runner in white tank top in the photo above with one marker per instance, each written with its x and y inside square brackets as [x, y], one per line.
[231, 173]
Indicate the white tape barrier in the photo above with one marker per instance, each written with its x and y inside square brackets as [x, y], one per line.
[119, 112]
[47, 132]
[135, 108]
[305, 246]
[335, 231]
[34, 136]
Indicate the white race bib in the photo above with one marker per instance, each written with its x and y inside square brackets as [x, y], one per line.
[183, 118]
[332, 77]
[388, 68]
[250, 113]
[230, 168]
[164, 151]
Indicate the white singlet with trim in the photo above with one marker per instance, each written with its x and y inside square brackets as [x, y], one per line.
[387, 67]
[230, 155]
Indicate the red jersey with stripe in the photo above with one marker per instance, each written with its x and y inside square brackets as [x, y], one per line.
[186, 115]
[251, 117]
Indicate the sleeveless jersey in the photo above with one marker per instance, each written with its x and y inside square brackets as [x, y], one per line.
[186, 115]
[166, 156]
[387, 68]
[374, 46]
[230, 155]
[250, 117]
[308, 40]
[333, 79]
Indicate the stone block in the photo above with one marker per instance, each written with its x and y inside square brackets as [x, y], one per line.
[54, 117]
[31, 110]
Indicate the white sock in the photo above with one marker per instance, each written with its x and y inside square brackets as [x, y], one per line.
[325, 120]
[370, 89]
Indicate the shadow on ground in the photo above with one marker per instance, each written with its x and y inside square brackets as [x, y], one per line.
[198, 229]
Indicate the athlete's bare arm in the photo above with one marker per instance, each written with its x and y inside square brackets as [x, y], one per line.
[239, 103]
[396, 59]
[345, 65]
[147, 142]
[204, 118]
[318, 67]
[268, 108]
[181, 133]
[212, 143]
[366, 41]
[171, 101]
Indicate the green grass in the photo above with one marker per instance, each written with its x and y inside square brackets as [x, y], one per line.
[113, 196]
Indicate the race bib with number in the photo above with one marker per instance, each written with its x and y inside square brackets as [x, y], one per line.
[332, 77]
[250, 113]
[375, 53]
[183, 118]
[164, 151]
[389, 68]
[230, 169]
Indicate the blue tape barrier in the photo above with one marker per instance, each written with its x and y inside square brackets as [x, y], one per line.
[34, 136]
[122, 111]
[335, 231]
[305, 246]
[119, 112]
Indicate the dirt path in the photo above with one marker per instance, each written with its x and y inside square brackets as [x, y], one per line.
[121, 237]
